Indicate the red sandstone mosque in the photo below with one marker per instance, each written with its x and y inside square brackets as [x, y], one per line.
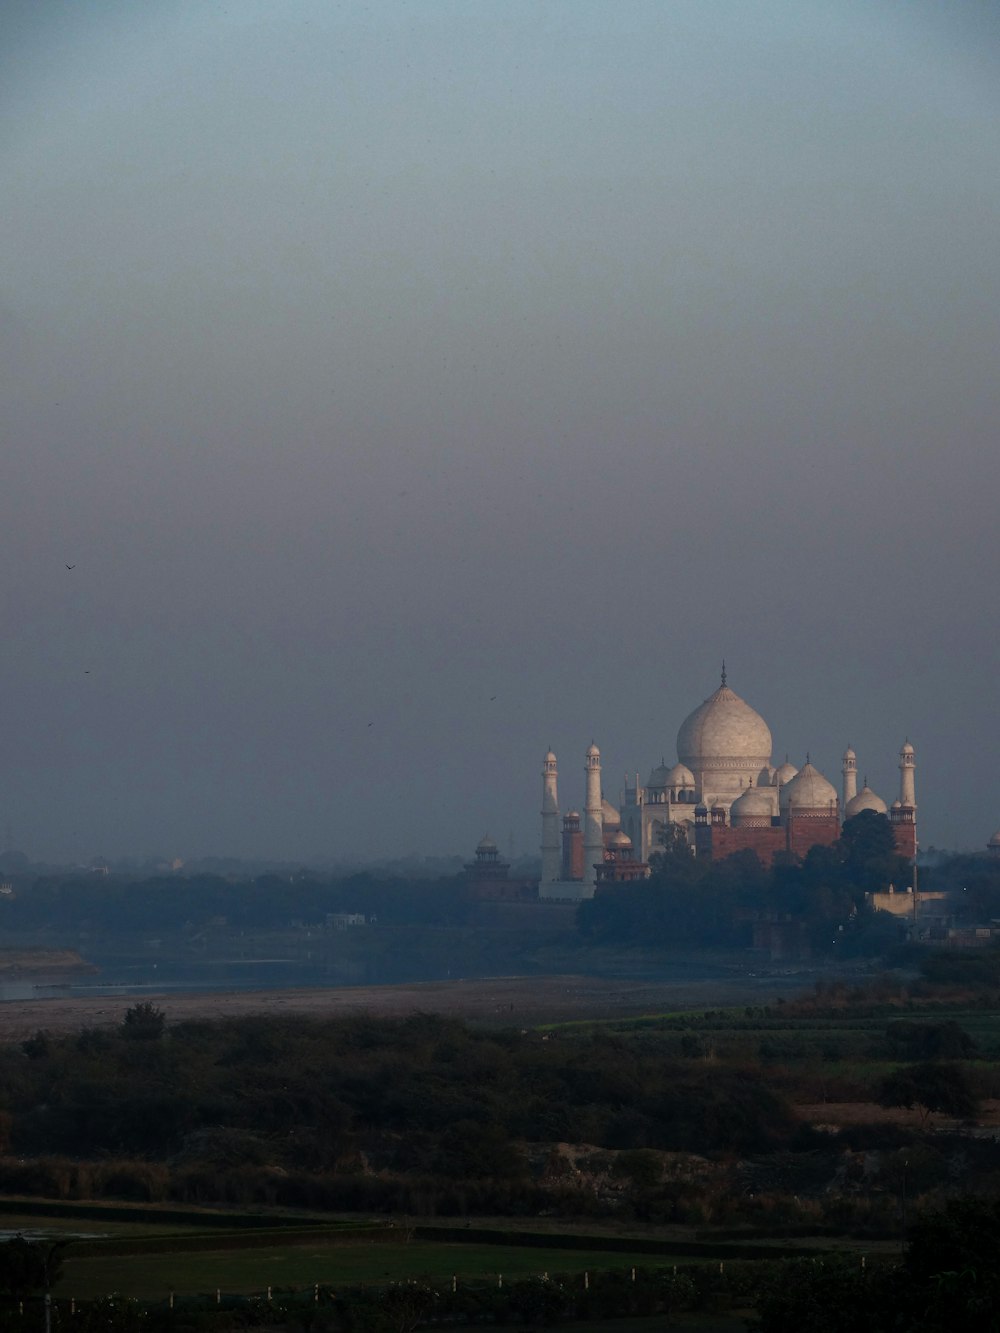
[723, 794]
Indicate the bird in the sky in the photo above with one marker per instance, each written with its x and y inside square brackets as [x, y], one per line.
[492, 697]
[71, 566]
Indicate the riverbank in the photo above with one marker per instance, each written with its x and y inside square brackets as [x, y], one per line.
[43, 962]
[498, 1001]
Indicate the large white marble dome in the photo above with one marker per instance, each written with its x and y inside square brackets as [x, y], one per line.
[724, 732]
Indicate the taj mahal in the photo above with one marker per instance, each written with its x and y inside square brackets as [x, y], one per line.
[724, 795]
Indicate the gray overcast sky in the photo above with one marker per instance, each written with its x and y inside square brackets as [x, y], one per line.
[369, 361]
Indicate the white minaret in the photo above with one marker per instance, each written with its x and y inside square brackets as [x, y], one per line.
[551, 853]
[850, 772]
[593, 825]
[907, 773]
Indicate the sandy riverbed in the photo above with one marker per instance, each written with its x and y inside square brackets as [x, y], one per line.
[510, 1001]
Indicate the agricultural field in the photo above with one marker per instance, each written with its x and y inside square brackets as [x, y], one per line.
[811, 1053]
[152, 1276]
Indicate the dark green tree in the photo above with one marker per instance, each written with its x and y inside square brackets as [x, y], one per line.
[28, 1266]
[867, 850]
[942, 1040]
[674, 855]
[933, 1085]
[831, 1295]
[950, 1280]
[963, 1237]
[144, 1022]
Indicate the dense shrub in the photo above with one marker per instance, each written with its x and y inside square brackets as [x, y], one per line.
[909, 1039]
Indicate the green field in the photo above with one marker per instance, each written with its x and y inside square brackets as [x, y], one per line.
[843, 1044]
[86, 1226]
[253, 1270]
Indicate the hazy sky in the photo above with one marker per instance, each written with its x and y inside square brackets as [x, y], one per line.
[416, 385]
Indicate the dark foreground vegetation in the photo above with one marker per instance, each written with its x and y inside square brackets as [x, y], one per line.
[850, 1112]
[420, 1115]
[948, 1278]
[725, 1117]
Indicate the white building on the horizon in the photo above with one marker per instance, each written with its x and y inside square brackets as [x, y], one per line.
[723, 793]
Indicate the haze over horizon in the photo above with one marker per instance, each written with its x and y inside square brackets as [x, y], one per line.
[411, 387]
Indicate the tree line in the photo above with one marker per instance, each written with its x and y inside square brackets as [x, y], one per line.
[168, 903]
[422, 1094]
[699, 903]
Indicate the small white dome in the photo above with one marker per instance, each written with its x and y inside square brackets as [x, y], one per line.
[550, 757]
[755, 804]
[784, 774]
[809, 790]
[995, 840]
[907, 748]
[620, 841]
[592, 751]
[486, 844]
[865, 800]
[659, 778]
[849, 753]
[680, 776]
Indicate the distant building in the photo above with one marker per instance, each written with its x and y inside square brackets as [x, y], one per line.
[487, 877]
[724, 795]
[916, 907]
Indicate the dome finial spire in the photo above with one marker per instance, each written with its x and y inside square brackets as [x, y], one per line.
[723, 671]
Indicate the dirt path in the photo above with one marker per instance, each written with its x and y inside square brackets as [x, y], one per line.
[507, 1001]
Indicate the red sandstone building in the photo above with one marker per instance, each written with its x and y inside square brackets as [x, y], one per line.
[723, 794]
[809, 816]
[487, 877]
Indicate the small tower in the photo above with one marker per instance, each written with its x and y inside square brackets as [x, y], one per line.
[907, 773]
[551, 859]
[593, 820]
[486, 877]
[850, 772]
[572, 847]
[620, 865]
[903, 814]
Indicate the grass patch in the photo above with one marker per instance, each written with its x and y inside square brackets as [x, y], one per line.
[153, 1276]
[67, 1227]
[118, 1218]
